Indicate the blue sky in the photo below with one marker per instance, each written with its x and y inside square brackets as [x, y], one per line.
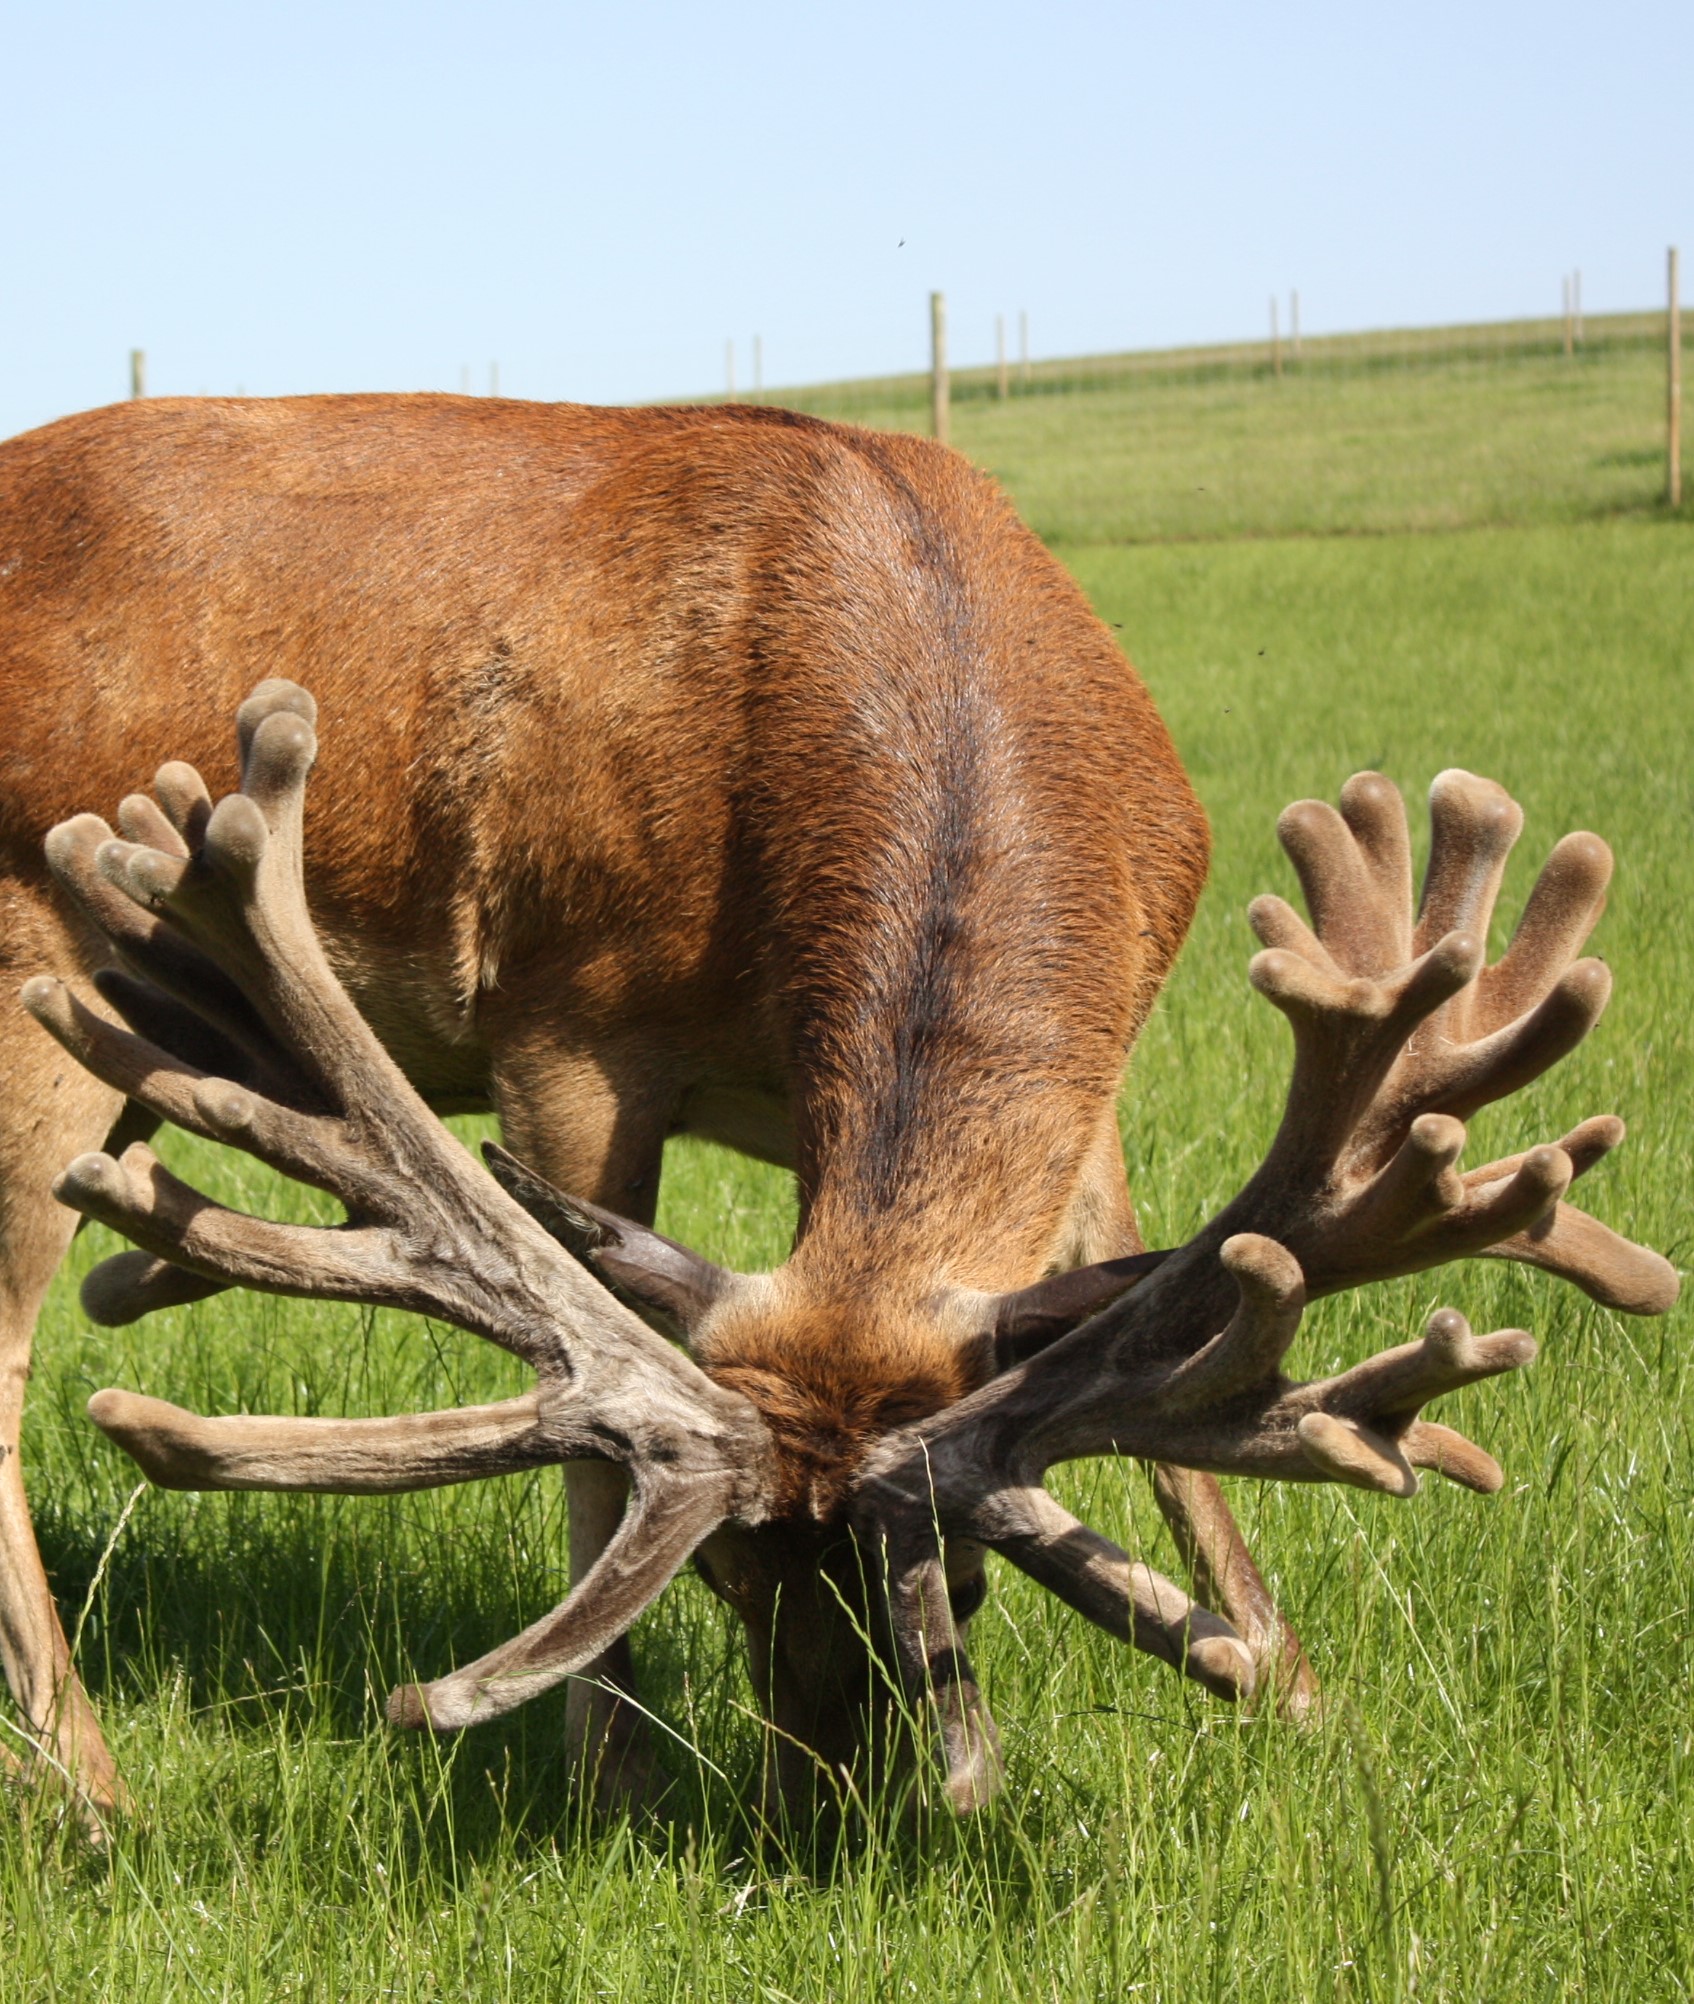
[316, 197]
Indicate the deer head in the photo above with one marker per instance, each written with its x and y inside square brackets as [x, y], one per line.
[868, 1516]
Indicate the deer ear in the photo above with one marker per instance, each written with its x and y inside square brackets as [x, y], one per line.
[643, 1268]
[1027, 1321]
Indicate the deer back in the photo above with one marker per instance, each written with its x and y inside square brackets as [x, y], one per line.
[778, 751]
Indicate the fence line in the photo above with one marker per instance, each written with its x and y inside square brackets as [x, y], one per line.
[1673, 381]
[1396, 429]
[1387, 348]
[939, 386]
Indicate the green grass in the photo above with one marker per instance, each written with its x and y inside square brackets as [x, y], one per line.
[1500, 1803]
[1367, 434]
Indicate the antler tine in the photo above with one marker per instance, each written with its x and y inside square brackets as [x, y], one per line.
[1362, 1427]
[1372, 808]
[1473, 825]
[156, 951]
[934, 1665]
[1355, 870]
[1609, 1268]
[182, 792]
[1563, 909]
[331, 1457]
[129, 1285]
[1257, 1337]
[1021, 1521]
[668, 1518]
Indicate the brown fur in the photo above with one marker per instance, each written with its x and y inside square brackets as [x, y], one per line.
[713, 770]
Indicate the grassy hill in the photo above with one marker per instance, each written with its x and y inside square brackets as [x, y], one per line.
[1436, 428]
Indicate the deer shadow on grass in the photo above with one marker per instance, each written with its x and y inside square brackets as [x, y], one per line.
[280, 1620]
[293, 1617]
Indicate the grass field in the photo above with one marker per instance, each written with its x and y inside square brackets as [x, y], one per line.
[1500, 1801]
[1431, 428]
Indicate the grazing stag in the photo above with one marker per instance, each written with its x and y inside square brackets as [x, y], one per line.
[728, 772]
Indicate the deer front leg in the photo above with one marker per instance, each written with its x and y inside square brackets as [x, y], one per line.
[49, 1110]
[566, 1115]
[1215, 1554]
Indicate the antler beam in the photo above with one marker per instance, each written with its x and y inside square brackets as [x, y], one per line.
[240, 1032]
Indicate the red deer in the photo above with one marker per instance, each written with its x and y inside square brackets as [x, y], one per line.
[729, 772]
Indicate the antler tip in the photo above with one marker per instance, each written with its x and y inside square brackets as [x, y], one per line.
[1483, 801]
[1224, 1665]
[41, 995]
[274, 696]
[283, 749]
[1651, 1285]
[1263, 1264]
[1369, 789]
[1447, 1453]
[225, 1106]
[1458, 956]
[237, 834]
[105, 1408]
[69, 844]
[975, 1780]
[1302, 818]
[158, 1437]
[1346, 1451]
[91, 1178]
[1436, 1139]
[1451, 1341]
[1584, 856]
[408, 1708]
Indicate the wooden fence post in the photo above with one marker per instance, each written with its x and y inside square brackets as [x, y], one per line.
[1576, 304]
[938, 400]
[1002, 376]
[1569, 323]
[1673, 382]
[138, 372]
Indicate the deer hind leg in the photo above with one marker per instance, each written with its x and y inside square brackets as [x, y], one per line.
[1221, 1567]
[50, 1111]
[592, 1130]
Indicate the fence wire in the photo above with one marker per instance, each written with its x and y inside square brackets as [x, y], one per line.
[1440, 428]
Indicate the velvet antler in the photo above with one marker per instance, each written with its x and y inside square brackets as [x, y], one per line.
[240, 1032]
[1400, 1032]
